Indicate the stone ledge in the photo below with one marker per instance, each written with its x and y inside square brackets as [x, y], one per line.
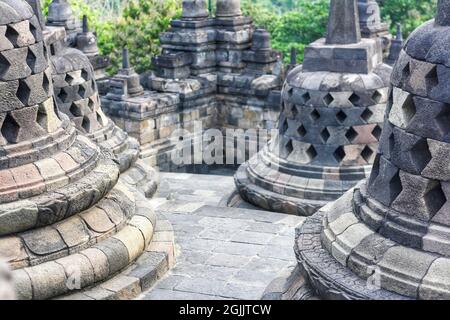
[273, 201]
[157, 259]
[330, 279]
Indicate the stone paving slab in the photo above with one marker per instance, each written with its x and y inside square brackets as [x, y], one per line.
[222, 253]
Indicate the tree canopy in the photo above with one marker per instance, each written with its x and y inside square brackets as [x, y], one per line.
[292, 23]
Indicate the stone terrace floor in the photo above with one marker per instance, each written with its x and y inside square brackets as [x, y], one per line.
[222, 253]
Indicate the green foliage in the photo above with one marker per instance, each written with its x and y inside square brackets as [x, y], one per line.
[292, 29]
[79, 8]
[410, 13]
[292, 23]
[138, 29]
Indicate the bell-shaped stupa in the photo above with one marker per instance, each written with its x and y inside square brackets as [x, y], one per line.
[330, 123]
[67, 220]
[390, 236]
[60, 14]
[77, 96]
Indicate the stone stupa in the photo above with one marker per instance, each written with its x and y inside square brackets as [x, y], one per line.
[67, 220]
[60, 14]
[396, 47]
[86, 42]
[393, 231]
[78, 35]
[77, 96]
[372, 26]
[330, 123]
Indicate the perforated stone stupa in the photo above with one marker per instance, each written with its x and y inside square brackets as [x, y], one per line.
[77, 96]
[330, 123]
[67, 221]
[6, 283]
[78, 35]
[394, 228]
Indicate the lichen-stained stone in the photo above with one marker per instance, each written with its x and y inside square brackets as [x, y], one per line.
[404, 203]
[144, 225]
[206, 69]
[414, 264]
[73, 231]
[373, 27]
[13, 250]
[129, 237]
[437, 276]
[8, 98]
[47, 282]
[78, 269]
[330, 124]
[14, 64]
[18, 215]
[226, 9]
[77, 97]
[55, 184]
[60, 14]
[44, 241]
[117, 254]
[97, 220]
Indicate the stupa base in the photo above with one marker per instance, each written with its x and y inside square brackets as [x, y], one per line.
[273, 201]
[119, 248]
[274, 185]
[343, 258]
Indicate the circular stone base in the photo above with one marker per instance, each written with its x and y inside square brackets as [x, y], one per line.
[290, 286]
[273, 201]
[113, 235]
[330, 279]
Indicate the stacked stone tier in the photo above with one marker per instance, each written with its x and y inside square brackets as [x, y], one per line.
[328, 276]
[51, 189]
[409, 186]
[329, 129]
[367, 256]
[93, 246]
[275, 184]
[65, 215]
[394, 229]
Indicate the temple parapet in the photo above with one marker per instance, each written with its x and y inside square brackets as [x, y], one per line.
[218, 71]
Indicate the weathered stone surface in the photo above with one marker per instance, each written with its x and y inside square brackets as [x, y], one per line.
[343, 25]
[55, 184]
[7, 291]
[195, 9]
[404, 203]
[228, 8]
[330, 124]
